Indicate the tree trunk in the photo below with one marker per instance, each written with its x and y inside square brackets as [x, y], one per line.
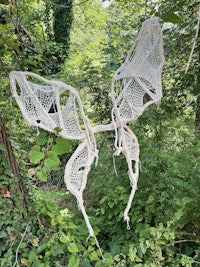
[12, 163]
[8, 152]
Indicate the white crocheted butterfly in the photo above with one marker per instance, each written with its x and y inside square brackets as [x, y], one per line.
[135, 86]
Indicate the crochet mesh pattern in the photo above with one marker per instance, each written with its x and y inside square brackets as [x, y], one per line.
[135, 86]
[41, 106]
[53, 104]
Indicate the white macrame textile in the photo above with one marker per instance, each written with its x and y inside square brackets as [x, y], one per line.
[135, 86]
[53, 104]
[41, 106]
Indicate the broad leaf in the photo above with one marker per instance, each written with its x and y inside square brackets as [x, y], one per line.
[62, 146]
[57, 250]
[31, 256]
[73, 261]
[171, 17]
[72, 248]
[132, 253]
[52, 161]
[41, 175]
[35, 155]
[41, 139]
[63, 238]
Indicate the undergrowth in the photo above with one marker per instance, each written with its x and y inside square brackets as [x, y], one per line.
[164, 215]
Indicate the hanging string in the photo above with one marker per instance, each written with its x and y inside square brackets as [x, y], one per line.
[114, 165]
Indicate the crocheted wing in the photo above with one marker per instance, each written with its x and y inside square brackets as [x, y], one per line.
[137, 83]
[76, 172]
[41, 106]
[135, 86]
[40, 102]
[78, 167]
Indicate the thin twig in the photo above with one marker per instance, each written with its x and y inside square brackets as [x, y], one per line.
[186, 233]
[39, 221]
[195, 41]
[180, 241]
[27, 33]
[196, 256]
[17, 250]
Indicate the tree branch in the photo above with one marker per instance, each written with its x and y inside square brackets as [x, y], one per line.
[197, 262]
[180, 241]
[17, 250]
[194, 42]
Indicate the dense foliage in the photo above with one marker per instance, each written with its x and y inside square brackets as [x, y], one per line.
[40, 224]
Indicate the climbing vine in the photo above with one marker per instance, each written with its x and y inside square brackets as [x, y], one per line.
[58, 17]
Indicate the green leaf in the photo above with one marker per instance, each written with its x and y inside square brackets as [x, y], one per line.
[41, 139]
[52, 161]
[23, 245]
[115, 249]
[4, 262]
[57, 130]
[72, 248]
[143, 247]
[41, 247]
[56, 250]
[109, 262]
[73, 261]
[85, 263]
[35, 155]
[143, 229]
[171, 17]
[94, 256]
[150, 244]
[63, 238]
[2, 147]
[31, 256]
[108, 259]
[138, 259]
[132, 253]
[62, 146]
[42, 175]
